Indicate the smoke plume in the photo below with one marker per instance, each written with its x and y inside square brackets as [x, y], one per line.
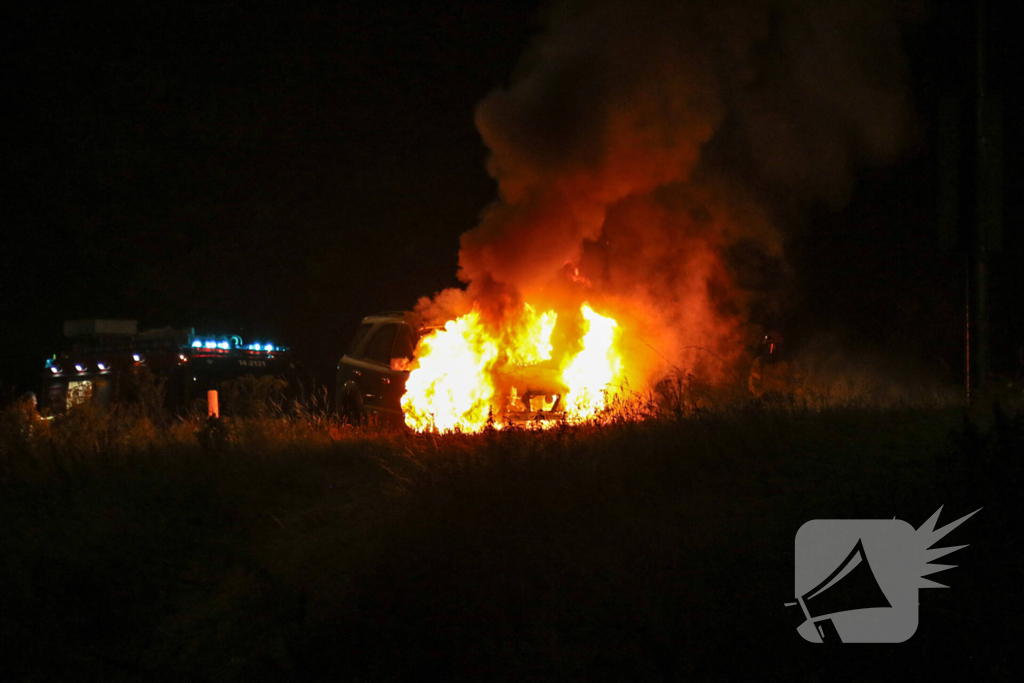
[652, 157]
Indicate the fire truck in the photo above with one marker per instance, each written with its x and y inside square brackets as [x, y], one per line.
[105, 355]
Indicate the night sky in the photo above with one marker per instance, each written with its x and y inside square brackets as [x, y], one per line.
[281, 173]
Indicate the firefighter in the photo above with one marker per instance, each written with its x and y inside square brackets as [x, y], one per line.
[21, 420]
[771, 374]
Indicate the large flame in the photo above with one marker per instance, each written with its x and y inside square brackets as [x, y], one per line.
[470, 373]
[594, 368]
[449, 387]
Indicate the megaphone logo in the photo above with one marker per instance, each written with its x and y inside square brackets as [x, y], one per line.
[856, 580]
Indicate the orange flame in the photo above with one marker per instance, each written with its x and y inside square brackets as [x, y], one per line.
[594, 368]
[471, 373]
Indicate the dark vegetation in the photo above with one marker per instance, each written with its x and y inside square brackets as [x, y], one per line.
[139, 547]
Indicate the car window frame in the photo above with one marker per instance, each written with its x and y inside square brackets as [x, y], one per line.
[355, 347]
[379, 329]
[413, 341]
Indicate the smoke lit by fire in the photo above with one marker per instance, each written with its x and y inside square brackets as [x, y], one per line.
[651, 157]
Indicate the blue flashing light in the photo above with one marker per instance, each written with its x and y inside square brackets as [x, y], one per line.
[259, 346]
[236, 343]
[137, 358]
[102, 367]
[79, 367]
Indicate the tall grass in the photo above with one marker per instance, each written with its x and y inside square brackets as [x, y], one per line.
[288, 545]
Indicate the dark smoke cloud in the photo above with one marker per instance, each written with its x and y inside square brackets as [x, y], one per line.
[652, 144]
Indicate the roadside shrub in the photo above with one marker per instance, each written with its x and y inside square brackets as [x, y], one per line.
[215, 435]
[136, 434]
[251, 396]
[84, 428]
[21, 428]
[144, 395]
[183, 432]
[316, 410]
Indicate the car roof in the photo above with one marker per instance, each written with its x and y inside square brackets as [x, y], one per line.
[390, 317]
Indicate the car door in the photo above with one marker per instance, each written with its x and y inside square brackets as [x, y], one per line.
[402, 352]
[372, 371]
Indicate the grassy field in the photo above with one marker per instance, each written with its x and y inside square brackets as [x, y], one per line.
[134, 547]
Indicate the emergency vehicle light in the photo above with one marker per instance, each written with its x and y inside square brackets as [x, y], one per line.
[257, 346]
[211, 344]
[234, 342]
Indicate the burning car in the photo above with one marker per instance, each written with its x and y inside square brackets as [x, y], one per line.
[471, 372]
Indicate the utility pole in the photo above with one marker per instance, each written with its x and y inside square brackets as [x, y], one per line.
[988, 190]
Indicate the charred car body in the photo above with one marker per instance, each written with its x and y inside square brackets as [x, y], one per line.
[107, 355]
